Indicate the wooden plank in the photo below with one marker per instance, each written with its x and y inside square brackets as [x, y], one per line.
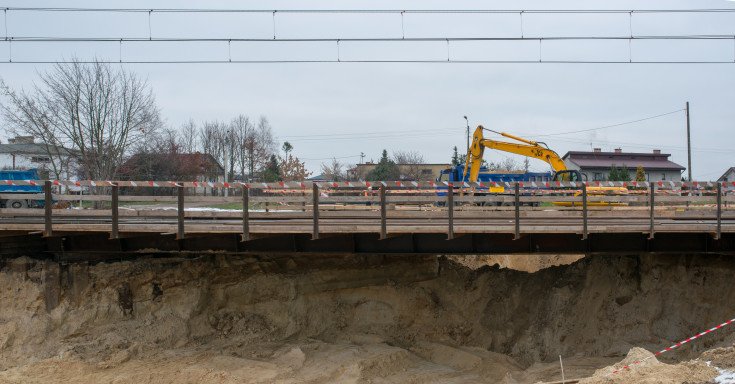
[315, 204]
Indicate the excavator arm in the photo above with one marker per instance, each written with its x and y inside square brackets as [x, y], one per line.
[528, 148]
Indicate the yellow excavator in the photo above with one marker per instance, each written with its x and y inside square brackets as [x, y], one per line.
[535, 150]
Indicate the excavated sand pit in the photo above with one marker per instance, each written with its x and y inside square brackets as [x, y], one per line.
[296, 319]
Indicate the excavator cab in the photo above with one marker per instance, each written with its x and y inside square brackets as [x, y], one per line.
[568, 175]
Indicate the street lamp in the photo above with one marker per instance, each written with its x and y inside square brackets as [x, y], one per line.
[468, 132]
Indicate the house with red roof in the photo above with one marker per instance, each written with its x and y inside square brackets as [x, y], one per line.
[596, 165]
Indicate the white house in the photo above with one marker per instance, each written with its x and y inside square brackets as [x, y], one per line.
[22, 152]
[729, 175]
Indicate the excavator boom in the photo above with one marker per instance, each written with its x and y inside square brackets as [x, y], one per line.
[528, 148]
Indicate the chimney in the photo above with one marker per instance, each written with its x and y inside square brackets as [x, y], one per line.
[656, 151]
[597, 150]
[618, 150]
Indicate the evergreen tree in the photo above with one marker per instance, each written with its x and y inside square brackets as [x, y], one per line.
[624, 174]
[614, 174]
[272, 170]
[640, 174]
[455, 156]
[386, 169]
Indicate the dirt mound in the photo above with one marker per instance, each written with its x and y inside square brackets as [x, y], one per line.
[352, 318]
[640, 366]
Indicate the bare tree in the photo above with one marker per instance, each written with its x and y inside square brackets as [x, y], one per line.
[212, 137]
[241, 128]
[507, 165]
[95, 111]
[258, 145]
[26, 116]
[409, 162]
[189, 141]
[333, 171]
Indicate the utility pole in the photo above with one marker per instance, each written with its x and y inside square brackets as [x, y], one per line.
[689, 146]
[468, 132]
[362, 156]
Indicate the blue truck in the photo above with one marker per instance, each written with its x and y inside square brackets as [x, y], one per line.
[32, 201]
[456, 174]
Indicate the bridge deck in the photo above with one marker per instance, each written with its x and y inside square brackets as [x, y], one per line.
[349, 219]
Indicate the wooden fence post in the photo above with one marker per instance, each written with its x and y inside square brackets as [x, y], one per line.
[245, 214]
[48, 228]
[383, 214]
[652, 191]
[518, 212]
[114, 205]
[584, 211]
[719, 210]
[450, 208]
[180, 209]
[315, 232]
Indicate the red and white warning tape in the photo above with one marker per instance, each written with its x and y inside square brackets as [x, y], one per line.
[673, 346]
[694, 185]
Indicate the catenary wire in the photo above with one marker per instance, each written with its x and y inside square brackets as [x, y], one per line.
[397, 11]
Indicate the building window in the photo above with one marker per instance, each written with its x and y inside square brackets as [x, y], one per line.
[663, 176]
[598, 176]
[40, 159]
[426, 172]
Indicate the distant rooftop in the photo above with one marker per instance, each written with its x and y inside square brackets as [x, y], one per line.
[597, 159]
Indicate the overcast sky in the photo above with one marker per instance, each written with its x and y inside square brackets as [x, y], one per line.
[342, 109]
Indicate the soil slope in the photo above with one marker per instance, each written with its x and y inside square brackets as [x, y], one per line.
[219, 319]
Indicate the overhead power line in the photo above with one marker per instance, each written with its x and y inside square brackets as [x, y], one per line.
[227, 56]
[610, 126]
[405, 11]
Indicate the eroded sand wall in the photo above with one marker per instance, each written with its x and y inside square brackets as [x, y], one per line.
[431, 309]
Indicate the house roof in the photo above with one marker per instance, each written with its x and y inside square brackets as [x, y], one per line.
[731, 169]
[31, 149]
[198, 160]
[649, 161]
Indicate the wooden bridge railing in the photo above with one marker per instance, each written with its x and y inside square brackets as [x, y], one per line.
[318, 201]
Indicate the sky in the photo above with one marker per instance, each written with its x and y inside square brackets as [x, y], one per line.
[342, 109]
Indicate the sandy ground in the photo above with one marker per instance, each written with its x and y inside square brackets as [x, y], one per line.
[376, 319]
